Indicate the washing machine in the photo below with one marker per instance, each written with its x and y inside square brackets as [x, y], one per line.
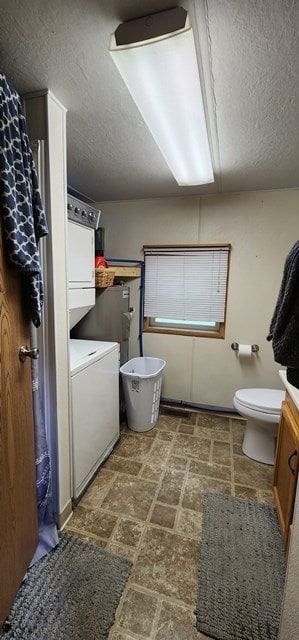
[94, 375]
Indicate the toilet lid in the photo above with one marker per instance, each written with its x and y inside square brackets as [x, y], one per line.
[267, 400]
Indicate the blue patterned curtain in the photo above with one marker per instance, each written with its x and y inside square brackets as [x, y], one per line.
[48, 535]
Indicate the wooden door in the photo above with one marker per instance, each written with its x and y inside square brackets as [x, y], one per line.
[286, 470]
[18, 507]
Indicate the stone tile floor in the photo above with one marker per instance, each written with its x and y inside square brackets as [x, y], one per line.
[146, 504]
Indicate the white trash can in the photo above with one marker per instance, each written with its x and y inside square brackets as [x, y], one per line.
[142, 379]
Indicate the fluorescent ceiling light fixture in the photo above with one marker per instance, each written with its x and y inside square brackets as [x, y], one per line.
[161, 73]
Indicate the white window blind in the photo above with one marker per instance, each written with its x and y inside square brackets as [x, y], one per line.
[186, 283]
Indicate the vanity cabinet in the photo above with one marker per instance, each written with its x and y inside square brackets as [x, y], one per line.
[286, 466]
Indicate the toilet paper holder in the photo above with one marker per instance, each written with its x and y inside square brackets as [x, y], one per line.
[254, 347]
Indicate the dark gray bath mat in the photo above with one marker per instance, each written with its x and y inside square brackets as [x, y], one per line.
[241, 570]
[71, 594]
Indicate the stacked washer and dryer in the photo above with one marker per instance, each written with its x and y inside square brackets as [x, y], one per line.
[94, 364]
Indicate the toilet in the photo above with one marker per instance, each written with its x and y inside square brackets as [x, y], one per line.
[261, 408]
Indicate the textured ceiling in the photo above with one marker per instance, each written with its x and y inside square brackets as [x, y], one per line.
[248, 55]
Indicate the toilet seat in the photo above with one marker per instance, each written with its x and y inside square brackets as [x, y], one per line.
[263, 400]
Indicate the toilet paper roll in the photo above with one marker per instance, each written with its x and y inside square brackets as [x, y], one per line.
[245, 351]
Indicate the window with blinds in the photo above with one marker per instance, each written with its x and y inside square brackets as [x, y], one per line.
[185, 289]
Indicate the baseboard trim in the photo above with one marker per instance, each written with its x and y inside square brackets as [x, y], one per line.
[63, 517]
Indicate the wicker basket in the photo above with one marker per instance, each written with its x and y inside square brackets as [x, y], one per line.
[104, 277]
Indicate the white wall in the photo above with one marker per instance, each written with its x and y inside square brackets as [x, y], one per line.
[261, 227]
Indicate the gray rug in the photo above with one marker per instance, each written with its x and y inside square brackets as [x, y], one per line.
[241, 570]
[71, 594]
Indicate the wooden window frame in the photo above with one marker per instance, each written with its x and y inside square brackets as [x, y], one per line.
[220, 332]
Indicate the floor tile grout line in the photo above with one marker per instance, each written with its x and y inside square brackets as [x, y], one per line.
[156, 619]
[180, 505]
[210, 458]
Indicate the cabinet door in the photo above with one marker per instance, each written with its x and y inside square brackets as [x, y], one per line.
[286, 469]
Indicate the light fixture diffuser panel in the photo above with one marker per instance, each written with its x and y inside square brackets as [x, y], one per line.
[163, 79]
